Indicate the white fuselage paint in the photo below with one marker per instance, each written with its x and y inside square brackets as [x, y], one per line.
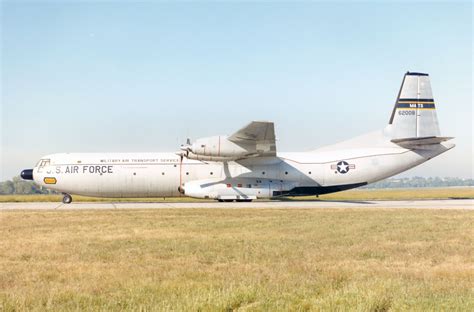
[371, 157]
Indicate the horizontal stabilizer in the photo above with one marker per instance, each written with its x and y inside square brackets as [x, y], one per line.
[420, 141]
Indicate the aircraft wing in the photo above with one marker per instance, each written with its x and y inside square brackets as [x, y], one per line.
[258, 135]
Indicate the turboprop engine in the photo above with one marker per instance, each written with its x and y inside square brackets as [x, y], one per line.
[255, 139]
[217, 148]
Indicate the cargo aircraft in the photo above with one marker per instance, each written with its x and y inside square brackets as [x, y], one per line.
[246, 165]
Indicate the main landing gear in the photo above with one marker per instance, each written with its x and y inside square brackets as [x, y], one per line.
[67, 199]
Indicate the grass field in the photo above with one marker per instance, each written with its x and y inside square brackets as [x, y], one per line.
[357, 194]
[239, 259]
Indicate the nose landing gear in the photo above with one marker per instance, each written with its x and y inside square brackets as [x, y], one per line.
[67, 199]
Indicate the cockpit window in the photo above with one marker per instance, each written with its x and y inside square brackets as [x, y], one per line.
[43, 163]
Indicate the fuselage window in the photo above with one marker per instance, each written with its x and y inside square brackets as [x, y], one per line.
[263, 172]
[309, 172]
[187, 173]
[211, 173]
[286, 172]
[162, 173]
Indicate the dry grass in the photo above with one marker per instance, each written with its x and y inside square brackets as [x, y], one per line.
[222, 260]
[357, 194]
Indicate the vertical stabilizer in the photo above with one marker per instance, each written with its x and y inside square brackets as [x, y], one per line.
[414, 114]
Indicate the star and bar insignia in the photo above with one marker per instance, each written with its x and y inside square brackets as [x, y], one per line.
[342, 167]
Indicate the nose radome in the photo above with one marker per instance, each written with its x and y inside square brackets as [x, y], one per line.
[27, 174]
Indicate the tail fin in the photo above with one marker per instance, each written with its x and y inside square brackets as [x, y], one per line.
[414, 114]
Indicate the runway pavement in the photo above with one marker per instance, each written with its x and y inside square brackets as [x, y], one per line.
[465, 204]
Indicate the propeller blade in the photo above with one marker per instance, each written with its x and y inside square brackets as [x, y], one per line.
[187, 147]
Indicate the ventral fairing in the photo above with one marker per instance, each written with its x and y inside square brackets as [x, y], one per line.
[246, 165]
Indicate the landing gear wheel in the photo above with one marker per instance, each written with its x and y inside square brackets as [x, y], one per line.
[67, 199]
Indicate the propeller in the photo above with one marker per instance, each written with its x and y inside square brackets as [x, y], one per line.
[186, 147]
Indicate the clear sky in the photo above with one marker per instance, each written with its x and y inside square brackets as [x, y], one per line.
[92, 77]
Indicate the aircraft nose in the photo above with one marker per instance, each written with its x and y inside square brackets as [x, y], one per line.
[27, 174]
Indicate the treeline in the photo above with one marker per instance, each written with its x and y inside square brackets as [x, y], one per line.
[421, 182]
[19, 186]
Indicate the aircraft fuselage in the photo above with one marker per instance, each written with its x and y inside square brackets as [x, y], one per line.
[162, 174]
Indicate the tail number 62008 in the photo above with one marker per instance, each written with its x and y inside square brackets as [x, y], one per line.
[406, 112]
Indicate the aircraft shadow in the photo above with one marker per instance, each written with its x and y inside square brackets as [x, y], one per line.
[324, 201]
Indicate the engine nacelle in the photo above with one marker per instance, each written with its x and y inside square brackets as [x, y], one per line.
[219, 146]
[237, 189]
